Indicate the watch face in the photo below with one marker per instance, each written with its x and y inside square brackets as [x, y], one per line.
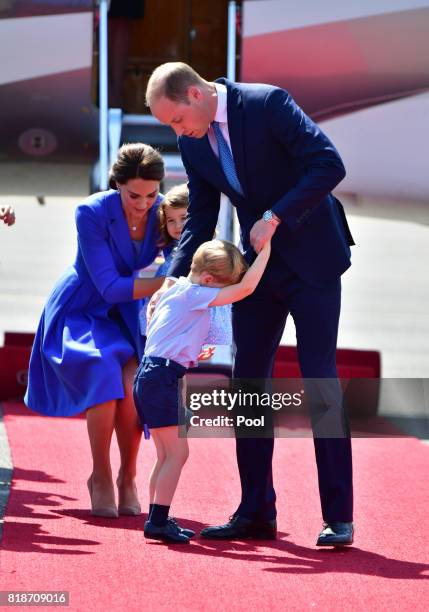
[267, 216]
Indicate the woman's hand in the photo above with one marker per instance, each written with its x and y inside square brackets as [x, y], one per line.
[206, 353]
[7, 215]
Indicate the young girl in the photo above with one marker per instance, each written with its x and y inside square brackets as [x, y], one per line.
[172, 215]
[176, 332]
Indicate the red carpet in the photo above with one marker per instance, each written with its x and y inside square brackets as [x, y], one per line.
[51, 543]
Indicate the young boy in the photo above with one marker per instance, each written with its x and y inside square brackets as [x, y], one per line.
[175, 335]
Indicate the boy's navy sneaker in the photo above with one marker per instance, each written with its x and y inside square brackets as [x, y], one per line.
[167, 533]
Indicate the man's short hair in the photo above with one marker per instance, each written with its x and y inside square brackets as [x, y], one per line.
[172, 80]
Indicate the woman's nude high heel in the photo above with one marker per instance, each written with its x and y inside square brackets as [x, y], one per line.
[128, 503]
[109, 511]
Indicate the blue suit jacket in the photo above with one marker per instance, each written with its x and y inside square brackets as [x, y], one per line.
[285, 163]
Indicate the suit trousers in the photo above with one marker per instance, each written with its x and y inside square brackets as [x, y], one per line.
[258, 325]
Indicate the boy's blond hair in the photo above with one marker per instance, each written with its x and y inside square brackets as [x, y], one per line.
[221, 259]
[176, 197]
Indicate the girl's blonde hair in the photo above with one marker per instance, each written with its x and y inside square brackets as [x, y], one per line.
[221, 259]
[176, 197]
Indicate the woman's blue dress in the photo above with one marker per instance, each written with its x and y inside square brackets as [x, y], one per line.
[89, 327]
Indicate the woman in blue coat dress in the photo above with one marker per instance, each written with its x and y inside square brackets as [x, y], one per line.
[88, 340]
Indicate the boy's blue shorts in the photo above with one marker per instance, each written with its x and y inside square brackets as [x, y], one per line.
[157, 392]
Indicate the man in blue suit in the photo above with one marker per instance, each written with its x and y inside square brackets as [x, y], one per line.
[253, 143]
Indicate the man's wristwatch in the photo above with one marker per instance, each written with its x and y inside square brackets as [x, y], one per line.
[271, 218]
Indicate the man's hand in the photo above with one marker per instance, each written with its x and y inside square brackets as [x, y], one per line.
[155, 298]
[7, 215]
[261, 233]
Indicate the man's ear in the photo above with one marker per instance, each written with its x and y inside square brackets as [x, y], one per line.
[194, 93]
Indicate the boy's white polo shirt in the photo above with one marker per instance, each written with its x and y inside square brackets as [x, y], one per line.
[180, 322]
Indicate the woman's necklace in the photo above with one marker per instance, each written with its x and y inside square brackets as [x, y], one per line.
[133, 226]
[137, 226]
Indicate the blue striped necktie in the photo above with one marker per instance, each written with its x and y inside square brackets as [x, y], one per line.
[226, 159]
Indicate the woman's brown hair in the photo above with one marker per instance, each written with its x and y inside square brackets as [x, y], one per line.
[137, 160]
